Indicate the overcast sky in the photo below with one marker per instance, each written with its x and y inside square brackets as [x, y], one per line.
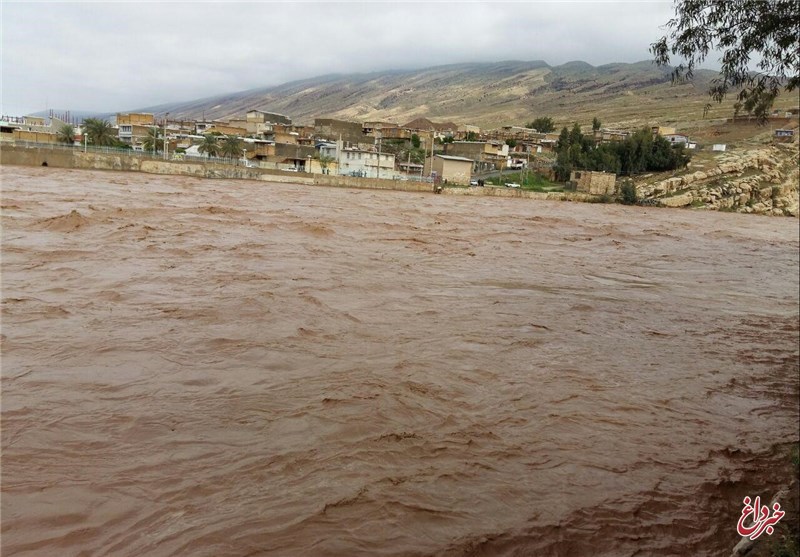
[110, 56]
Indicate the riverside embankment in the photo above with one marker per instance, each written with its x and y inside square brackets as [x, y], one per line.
[64, 158]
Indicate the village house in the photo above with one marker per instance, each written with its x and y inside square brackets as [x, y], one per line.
[333, 130]
[200, 126]
[259, 149]
[369, 128]
[296, 156]
[33, 129]
[133, 127]
[605, 135]
[426, 128]
[487, 155]
[360, 162]
[467, 130]
[7, 127]
[261, 117]
[258, 122]
[516, 133]
[595, 183]
[225, 129]
[135, 118]
[455, 170]
[238, 123]
[663, 130]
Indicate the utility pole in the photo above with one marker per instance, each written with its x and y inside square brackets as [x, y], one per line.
[528, 165]
[339, 146]
[501, 173]
[433, 142]
[378, 136]
[165, 135]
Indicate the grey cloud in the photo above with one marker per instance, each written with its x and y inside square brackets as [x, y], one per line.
[117, 56]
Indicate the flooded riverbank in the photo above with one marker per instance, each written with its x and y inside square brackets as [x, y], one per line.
[212, 367]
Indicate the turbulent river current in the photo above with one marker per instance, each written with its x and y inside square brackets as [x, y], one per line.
[230, 368]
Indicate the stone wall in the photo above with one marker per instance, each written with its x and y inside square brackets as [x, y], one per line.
[597, 183]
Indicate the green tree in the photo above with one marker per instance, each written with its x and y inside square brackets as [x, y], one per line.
[324, 161]
[563, 139]
[543, 124]
[66, 134]
[511, 143]
[575, 135]
[100, 132]
[417, 156]
[415, 142]
[209, 146]
[153, 141]
[742, 30]
[471, 136]
[596, 124]
[232, 147]
[639, 153]
[628, 193]
[563, 166]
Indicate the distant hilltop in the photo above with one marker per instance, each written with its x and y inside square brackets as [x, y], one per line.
[484, 94]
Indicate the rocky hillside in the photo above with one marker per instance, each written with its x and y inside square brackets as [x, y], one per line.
[760, 179]
[489, 95]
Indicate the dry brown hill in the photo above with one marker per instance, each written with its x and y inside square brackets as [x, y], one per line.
[489, 95]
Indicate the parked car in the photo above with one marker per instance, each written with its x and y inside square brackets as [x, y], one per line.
[473, 183]
[512, 185]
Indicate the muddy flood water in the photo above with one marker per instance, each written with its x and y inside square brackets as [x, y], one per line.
[230, 368]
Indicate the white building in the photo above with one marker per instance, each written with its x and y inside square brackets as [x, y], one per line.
[358, 162]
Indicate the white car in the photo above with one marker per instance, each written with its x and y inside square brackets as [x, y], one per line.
[512, 185]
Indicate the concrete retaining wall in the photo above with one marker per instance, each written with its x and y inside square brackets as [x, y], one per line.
[111, 161]
[519, 193]
[10, 154]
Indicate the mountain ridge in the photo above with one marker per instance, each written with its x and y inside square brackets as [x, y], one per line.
[488, 94]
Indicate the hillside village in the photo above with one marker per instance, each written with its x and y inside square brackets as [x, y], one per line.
[443, 153]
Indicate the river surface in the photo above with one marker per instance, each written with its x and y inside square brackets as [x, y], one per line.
[230, 368]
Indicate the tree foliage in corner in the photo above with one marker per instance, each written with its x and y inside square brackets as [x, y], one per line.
[766, 31]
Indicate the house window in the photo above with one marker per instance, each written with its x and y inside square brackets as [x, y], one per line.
[578, 175]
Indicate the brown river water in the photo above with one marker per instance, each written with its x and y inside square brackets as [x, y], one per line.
[230, 368]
